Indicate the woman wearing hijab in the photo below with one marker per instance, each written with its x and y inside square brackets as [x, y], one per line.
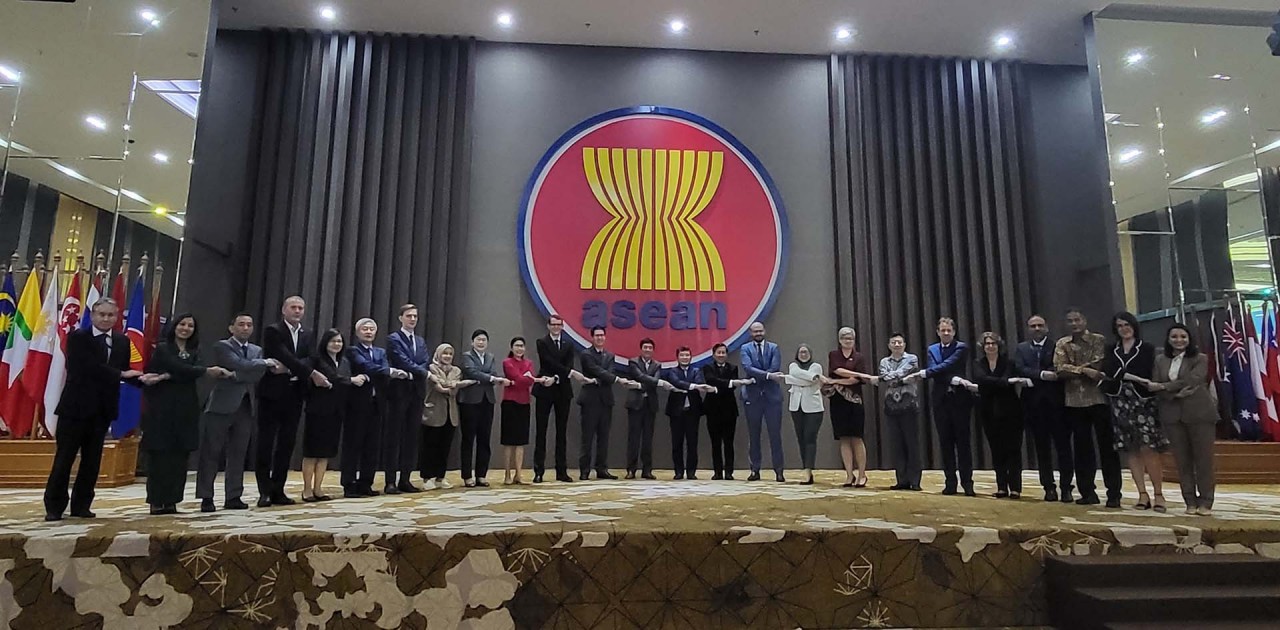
[440, 416]
[171, 424]
[806, 379]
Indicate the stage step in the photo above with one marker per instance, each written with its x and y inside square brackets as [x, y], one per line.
[1195, 625]
[1163, 591]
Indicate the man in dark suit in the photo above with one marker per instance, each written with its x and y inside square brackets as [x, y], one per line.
[407, 351]
[281, 394]
[556, 356]
[596, 400]
[762, 400]
[951, 403]
[366, 411]
[475, 408]
[227, 425]
[1043, 408]
[684, 409]
[97, 361]
[642, 407]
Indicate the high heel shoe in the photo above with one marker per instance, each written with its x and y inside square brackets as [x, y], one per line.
[1141, 504]
[1159, 504]
[862, 483]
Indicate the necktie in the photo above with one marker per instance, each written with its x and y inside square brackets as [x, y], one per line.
[106, 344]
[760, 351]
[244, 350]
[557, 342]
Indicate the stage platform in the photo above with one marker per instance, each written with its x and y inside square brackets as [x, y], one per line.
[622, 554]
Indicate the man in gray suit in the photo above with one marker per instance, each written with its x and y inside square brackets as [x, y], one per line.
[475, 407]
[642, 408]
[228, 419]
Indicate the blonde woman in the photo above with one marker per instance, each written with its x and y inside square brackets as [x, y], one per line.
[440, 415]
[848, 372]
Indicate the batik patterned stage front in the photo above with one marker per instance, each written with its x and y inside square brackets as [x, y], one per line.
[618, 554]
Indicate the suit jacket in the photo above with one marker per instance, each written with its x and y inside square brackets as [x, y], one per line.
[996, 397]
[758, 367]
[941, 369]
[92, 389]
[371, 362]
[721, 403]
[597, 365]
[277, 343]
[647, 395]
[330, 401]
[412, 357]
[440, 407]
[482, 370]
[557, 363]
[1027, 364]
[1139, 361]
[247, 371]
[806, 389]
[683, 378]
[1198, 407]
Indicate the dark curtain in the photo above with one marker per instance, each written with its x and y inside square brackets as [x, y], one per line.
[1269, 181]
[360, 201]
[1203, 242]
[930, 208]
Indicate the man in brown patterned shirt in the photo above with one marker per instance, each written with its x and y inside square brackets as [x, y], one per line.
[1076, 358]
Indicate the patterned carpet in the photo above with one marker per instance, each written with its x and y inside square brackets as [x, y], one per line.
[622, 554]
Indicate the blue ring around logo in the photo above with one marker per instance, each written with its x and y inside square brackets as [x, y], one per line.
[526, 197]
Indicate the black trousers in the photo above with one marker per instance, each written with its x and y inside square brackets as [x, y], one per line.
[1004, 436]
[76, 436]
[684, 442]
[640, 436]
[542, 414]
[401, 433]
[477, 428]
[951, 416]
[721, 427]
[902, 431]
[435, 451]
[361, 441]
[166, 476]
[1086, 423]
[596, 421]
[1052, 433]
[278, 420]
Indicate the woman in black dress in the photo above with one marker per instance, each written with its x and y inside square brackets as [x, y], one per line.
[171, 423]
[846, 372]
[326, 407]
[721, 407]
[1000, 412]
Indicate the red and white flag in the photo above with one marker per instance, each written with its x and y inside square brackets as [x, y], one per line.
[68, 320]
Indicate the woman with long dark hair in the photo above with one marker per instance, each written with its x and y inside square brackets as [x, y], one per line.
[1000, 412]
[171, 422]
[1128, 365]
[515, 409]
[1188, 415]
[326, 411]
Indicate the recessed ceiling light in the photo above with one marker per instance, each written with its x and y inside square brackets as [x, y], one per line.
[505, 19]
[1212, 117]
[1003, 40]
[844, 33]
[1134, 58]
[96, 122]
[127, 127]
[147, 15]
[160, 157]
[161, 210]
[328, 13]
[1128, 155]
[677, 25]
[10, 74]
[1221, 77]
[191, 160]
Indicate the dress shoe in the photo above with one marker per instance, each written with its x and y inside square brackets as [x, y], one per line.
[564, 477]
[307, 499]
[717, 477]
[482, 482]
[606, 475]
[692, 477]
[915, 488]
[234, 504]
[264, 502]
[468, 483]
[755, 476]
[1204, 511]
[353, 494]
[648, 476]
[631, 474]
[969, 491]
[156, 510]
[282, 500]
[779, 478]
[948, 490]
[1001, 494]
[169, 509]
[1050, 495]
[52, 517]
[83, 514]
[408, 487]
[678, 477]
[728, 477]
[584, 477]
[1113, 503]
[537, 478]
[1088, 499]
[1066, 496]
[442, 484]
[1015, 495]
[369, 492]
[389, 490]
[206, 505]
[323, 497]
[898, 486]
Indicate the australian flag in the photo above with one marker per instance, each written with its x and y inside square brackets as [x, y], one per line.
[1236, 357]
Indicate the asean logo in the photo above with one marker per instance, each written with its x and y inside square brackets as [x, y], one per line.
[653, 222]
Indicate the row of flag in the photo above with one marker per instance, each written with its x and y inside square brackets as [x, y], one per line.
[33, 335]
[1247, 372]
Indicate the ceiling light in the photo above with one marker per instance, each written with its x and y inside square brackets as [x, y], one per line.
[191, 160]
[677, 25]
[844, 33]
[134, 196]
[1221, 77]
[177, 220]
[1247, 178]
[10, 74]
[66, 170]
[505, 19]
[161, 210]
[1213, 116]
[1128, 155]
[328, 13]
[147, 15]
[127, 127]
[160, 157]
[1134, 58]
[1004, 40]
[96, 122]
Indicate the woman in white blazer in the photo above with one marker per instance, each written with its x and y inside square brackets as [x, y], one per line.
[806, 379]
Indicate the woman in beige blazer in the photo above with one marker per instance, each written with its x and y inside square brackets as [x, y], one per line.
[440, 416]
[1188, 415]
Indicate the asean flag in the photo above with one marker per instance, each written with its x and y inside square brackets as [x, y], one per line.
[130, 410]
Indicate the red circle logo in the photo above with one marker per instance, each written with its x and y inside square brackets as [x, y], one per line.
[654, 223]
